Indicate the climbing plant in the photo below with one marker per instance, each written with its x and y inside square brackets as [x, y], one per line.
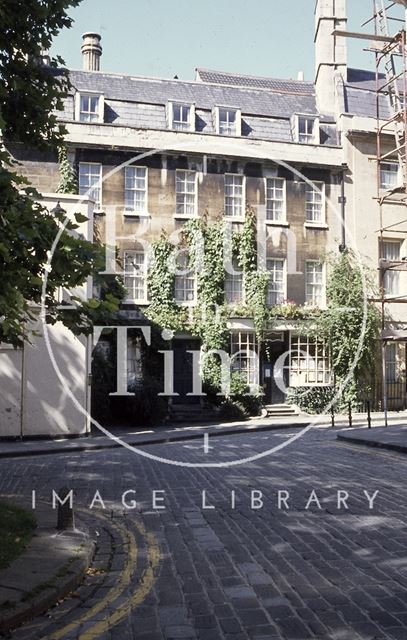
[350, 322]
[163, 309]
[68, 180]
[205, 246]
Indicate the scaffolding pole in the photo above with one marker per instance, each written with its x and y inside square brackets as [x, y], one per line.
[391, 89]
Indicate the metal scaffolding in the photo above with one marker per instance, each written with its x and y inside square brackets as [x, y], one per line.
[391, 115]
[388, 43]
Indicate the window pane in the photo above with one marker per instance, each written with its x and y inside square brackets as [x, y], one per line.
[314, 202]
[388, 175]
[276, 288]
[135, 189]
[314, 283]
[185, 190]
[233, 195]
[90, 181]
[135, 275]
[275, 199]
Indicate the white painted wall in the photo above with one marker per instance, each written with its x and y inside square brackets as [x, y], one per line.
[34, 400]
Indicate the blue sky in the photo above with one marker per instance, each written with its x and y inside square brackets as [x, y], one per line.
[167, 37]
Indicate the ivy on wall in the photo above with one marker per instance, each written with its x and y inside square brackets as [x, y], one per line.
[68, 180]
[208, 318]
[349, 316]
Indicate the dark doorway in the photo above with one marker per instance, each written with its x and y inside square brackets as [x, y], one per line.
[183, 370]
[273, 394]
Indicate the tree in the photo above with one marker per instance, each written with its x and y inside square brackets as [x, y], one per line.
[350, 325]
[30, 94]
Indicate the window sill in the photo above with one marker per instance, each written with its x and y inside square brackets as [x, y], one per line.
[277, 223]
[186, 303]
[135, 214]
[316, 225]
[311, 384]
[185, 216]
[233, 219]
[135, 302]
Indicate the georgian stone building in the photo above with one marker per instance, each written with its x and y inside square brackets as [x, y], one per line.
[155, 152]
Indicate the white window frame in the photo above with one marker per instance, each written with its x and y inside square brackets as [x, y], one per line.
[234, 283]
[270, 291]
[305, 138]
[101, 106]
[132, 211]
[394, 165]
[310, 296]
[183, 277]
[184, 193]
[189, 123]
[241, 353]
[88, 190]
[391, 278]
[240, 217]
[306, 370]
[319, 191]
[271, 219]
[223, 131]
[131, 253]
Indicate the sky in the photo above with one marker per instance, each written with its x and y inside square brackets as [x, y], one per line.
[172, 37]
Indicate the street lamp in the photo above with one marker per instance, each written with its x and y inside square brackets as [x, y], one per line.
[57, 210]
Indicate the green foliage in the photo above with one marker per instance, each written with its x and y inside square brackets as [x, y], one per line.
[68, 180]
[208, 321]
[163, 310]
[27, 233]
[145, 408]
[103, 383]
[310, 399]
[350, 323]
[17, 527]
[293, 311]
[30, 94]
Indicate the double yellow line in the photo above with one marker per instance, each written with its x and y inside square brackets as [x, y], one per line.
[136, 598]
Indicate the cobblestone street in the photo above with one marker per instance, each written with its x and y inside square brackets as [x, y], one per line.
[237, 552]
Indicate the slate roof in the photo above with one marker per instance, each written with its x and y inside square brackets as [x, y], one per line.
[360, 94]
[205, 96]
[297, 87]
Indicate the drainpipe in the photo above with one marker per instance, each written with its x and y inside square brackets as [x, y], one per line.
[342, 202]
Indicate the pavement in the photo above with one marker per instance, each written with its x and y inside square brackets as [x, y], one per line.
[52, 565]
[177, 433]
[218, 556]
[393, 438]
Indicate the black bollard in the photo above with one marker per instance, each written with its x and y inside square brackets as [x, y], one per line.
[66, 520]
[369, 417]
[332, 416]
[350, 413]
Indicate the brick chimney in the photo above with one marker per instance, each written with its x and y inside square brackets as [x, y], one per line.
[91, 51]
[330, 51]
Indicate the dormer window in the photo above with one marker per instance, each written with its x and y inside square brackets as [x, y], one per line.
[227, 121]
[181, 116]
[89, 107]
[306, 129]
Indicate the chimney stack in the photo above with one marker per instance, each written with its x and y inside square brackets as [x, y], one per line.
[330, 51]
[91, 51]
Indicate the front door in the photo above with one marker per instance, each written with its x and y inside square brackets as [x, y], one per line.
[273, 393]
[183, 370]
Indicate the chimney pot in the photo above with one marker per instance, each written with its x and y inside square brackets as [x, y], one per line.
[91, 51]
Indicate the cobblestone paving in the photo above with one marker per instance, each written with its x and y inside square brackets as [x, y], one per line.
[243, 569]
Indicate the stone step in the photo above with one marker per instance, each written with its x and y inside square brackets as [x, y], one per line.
[282, 410]
[191, 413]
